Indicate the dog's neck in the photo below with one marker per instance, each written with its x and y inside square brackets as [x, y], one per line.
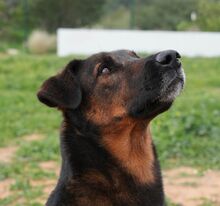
[105, 166]
[128, 142]
[131, 145]
[80, 146]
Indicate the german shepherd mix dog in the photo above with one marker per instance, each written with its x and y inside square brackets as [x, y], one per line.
[108, 101]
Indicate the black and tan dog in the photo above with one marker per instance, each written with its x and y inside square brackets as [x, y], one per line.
[108, 101]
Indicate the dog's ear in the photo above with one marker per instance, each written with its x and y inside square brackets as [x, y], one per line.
[62, 90]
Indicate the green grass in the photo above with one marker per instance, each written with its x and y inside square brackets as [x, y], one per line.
[189, 132]
[21, 113]
[186, 135]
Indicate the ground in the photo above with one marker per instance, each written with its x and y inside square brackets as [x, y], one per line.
[184, 186]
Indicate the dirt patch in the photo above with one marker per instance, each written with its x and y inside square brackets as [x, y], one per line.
[33, 137]
[184, 186]
[50, 166]
[47, 185]
[7, 154]
[5, 188]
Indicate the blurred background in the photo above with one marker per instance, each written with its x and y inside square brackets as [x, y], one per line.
[24, 21]
[187, 137]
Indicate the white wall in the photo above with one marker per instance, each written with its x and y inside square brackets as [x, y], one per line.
[86, 41]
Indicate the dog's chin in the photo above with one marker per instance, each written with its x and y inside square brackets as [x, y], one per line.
[173, 84]
[162, 99]
[150, 109]
[169, 94]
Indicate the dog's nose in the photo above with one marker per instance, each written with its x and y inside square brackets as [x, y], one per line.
[168, 57]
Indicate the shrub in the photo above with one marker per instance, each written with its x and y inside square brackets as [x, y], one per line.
[208, 15]
[40, 42]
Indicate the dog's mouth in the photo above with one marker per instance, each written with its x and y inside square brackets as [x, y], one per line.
[172, 85]
[163, 97]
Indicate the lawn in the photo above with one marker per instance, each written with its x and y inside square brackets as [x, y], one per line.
[186, 135]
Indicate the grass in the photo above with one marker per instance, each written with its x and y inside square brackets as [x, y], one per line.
[186, 135]
[191, 129]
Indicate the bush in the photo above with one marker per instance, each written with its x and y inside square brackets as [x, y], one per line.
[163, 14]
[41, 42]
[208, 15]
[117, 19]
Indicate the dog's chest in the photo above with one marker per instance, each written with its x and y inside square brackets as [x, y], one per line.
[94, 188]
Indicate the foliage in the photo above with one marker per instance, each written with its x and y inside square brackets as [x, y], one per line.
[166, 14]
[162, 14]
[209, 15]
[40, 42]
[18, 19]
[11, 21]
[53, 14]
[117, 19]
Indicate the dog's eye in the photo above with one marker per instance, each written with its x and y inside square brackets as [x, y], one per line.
[104, 70]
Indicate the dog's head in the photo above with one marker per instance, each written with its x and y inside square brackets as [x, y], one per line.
[108, 87]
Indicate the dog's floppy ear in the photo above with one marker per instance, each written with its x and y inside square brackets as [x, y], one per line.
[62, 90]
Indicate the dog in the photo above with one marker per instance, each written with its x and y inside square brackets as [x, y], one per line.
[108, 101]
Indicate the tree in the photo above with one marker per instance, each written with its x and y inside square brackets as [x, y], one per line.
[11, 20]
[209, 15]
[163, 14]
[52, 14]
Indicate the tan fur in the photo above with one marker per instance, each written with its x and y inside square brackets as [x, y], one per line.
[103, 115]
[131, 145]
[102, 112]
